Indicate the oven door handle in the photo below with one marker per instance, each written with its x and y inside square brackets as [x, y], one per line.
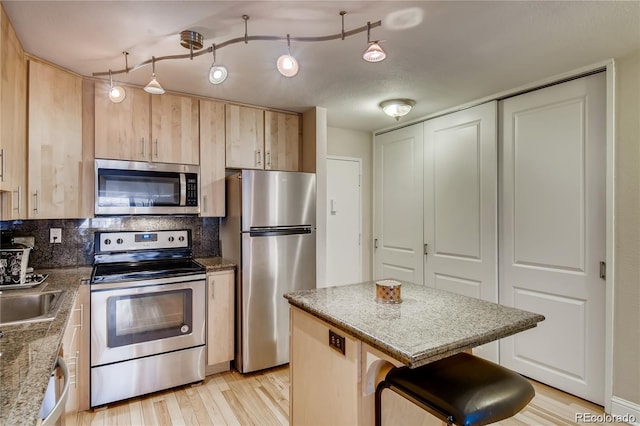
[184, 279]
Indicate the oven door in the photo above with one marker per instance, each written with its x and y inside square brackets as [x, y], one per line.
[137, 319]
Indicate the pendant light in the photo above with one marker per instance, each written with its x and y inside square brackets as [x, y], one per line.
[287, 64]
[116, 93]
[217, 73]
[374, 52]
[153, 87]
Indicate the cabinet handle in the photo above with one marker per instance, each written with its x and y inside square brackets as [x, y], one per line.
[426, 249]
[258, 157]
[268, 159]
[204, 204]
[3, 163]
[156, 144]
[375, 243]
[213, 282]
[144, 148]
[36, 202]
[19, 192]
[82, 316]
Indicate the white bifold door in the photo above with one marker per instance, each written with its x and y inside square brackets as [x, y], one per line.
[552, 232]
[460, 206]
[398, 204]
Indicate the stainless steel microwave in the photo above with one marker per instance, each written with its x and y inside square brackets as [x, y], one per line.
[136, 187]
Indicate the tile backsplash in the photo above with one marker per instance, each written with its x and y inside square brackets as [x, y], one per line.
[76, 248]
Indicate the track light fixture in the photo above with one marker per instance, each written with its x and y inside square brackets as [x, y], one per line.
[397, 108]
[153, 86]
[116, 93]
[217, 73]
[287, 65]
[374, 52]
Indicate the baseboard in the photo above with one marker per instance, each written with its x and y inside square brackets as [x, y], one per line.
[627, 411]
[217, 368]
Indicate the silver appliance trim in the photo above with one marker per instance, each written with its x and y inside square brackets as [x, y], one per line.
[115, 382]
[183, 279]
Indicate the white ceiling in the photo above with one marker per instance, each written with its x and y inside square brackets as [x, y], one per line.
[458, 51]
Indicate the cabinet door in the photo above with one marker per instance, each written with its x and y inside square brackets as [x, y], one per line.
[212, 173]
[55, 143]
[220, 317]
[174, 129]
[244, 137]
[13, 127]
[75, 350]
[122, 130]
[281, 141]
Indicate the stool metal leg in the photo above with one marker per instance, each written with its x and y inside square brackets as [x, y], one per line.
[447, 418]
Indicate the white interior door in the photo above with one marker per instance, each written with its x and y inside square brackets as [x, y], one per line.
[344, 229]
[397, 196]
[460, 206]
[553, 232]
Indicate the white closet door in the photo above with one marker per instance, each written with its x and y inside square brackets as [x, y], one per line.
[398, 204]
[553, 232]
[344, 256]
[460, 206]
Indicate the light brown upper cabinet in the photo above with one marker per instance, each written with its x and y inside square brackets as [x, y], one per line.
[258, 139]
[244, 137]
[122, 131]
[174, 129]
[281, 141]
[13, 123]
[212, 154]
[160, 128]
[55, 143]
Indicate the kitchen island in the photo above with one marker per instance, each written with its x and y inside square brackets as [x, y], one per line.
[343, 342]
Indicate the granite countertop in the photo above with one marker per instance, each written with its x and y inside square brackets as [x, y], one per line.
[427, 326]
[28, 352]
[216, 263]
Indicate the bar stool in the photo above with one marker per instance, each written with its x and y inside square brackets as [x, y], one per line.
[461, 390]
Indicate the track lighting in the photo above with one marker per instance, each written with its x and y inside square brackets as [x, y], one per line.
[116, 93]
[217, 73]
[287, 64]
[153, 86]
[397, 108]
[374, 52]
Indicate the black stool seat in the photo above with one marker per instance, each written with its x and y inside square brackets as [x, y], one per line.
[462, 389]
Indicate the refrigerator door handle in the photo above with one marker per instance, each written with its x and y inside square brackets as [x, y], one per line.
[271, 232]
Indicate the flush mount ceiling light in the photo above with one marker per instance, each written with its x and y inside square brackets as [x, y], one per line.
[374, 52]
[287, 64]
[153, 86]
[397, 108]
[217, 73]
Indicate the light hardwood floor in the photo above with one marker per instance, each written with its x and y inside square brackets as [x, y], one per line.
[263, 399]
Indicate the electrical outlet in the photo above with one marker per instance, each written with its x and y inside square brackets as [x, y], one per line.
[55, 235]
[336, 341]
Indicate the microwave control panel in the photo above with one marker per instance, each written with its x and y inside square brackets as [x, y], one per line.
[192, 189]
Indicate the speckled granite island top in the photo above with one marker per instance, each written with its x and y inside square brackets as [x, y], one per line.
[28, 352]
[428, 325]
[216, 263]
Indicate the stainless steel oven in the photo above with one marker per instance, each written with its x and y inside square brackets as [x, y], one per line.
[136, 187]
[147, 314]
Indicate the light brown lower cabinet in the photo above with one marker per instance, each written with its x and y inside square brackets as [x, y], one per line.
[220, 320]
[75, 351]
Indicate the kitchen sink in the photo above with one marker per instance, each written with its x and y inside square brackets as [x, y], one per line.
[31, 307]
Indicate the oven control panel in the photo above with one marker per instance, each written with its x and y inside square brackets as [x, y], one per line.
[130, 241]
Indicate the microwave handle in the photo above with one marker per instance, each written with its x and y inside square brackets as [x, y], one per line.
[183, 189]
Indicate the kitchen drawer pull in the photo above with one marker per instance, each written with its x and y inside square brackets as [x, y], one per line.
[3, 164]
[36, 202]
[156, 144]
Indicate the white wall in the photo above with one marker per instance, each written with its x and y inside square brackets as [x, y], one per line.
[626, 345]
[357, 144]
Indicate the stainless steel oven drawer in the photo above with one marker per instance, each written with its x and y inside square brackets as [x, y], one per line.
[127, 379]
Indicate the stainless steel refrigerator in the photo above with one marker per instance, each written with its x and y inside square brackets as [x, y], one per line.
[270, 232]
